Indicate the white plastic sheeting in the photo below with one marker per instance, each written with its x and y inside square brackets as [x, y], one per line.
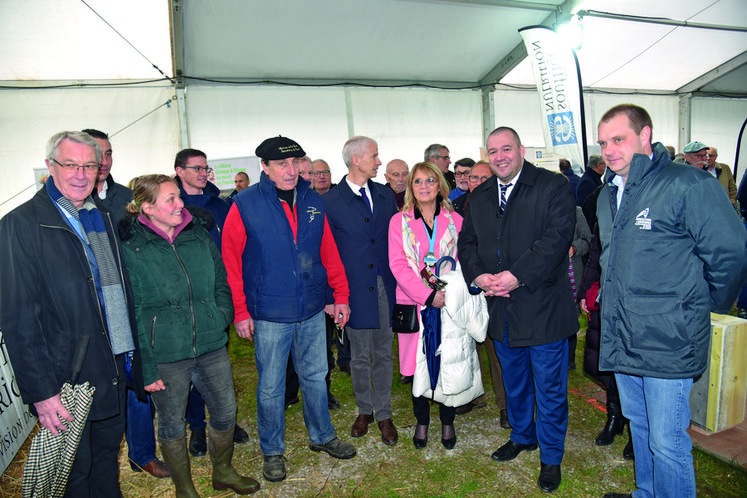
[231, 122]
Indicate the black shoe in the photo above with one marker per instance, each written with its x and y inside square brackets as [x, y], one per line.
[618, 495]
[450, 442]
[615, 426]
[742, 313]
[549, 478]
[461, 410]
[628, 453]
[335, 448]
[198, 443]
[511, 450]
[405, 379]
[332, 402]
[420, 443]
[274, 468]
[239, 435]
[291, 402]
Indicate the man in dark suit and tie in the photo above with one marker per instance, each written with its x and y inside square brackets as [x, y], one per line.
[359, 210]
[514, 246]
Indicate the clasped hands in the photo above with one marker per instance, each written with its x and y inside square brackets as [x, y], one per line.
[497, 284]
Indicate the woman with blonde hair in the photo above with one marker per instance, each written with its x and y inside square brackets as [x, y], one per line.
[425, 230]
[182, 307]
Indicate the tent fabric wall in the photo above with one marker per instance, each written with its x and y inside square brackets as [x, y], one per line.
[30, 117]
[227, 121]
[717, 122]
[232, 121]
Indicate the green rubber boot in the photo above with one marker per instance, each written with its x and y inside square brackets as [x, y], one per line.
[175, 454]
[220, 448]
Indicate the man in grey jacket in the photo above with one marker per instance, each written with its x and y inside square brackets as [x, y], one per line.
[666, 264]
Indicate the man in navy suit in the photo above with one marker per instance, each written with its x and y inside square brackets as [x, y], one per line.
[358, 211]
[514, 246]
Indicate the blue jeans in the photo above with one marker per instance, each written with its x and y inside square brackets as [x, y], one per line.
[211, 375]
[141, 438]
[659, 413]
[306, 342]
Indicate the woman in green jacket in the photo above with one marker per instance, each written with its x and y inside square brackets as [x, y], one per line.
[182, 308]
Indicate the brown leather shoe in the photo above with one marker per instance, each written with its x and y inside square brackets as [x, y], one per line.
[504, 419]
[360, 426]
[388, 432]
[156, 468]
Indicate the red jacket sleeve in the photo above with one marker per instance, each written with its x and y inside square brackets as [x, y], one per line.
[232, 245]
[333, 264]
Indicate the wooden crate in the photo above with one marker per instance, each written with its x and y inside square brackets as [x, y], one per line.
[717, 401]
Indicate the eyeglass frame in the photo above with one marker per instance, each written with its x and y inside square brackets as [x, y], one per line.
[207, 170]
[77, 167]
[430, 181]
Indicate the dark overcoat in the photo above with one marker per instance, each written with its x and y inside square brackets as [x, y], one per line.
[362, 239]
[531, 240]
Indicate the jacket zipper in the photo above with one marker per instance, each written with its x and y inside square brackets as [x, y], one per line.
[96, 294]
[191, 303]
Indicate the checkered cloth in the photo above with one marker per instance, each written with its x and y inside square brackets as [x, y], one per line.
[51, 457]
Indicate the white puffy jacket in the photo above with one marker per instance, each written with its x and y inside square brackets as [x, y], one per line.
[464, 320]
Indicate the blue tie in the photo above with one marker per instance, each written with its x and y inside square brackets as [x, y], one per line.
[504, 188]
[365, 198]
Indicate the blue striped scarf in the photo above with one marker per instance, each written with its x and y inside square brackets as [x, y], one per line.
[104, 269]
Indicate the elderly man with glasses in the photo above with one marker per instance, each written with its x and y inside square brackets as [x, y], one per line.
[63, 281]
[322, 176]
[439, 155]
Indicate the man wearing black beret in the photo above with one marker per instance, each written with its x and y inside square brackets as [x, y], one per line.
[280, 254]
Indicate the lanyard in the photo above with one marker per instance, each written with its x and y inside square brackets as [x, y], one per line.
[430, 258]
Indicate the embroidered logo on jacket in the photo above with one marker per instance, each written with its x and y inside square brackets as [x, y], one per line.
[643, 221]
[312, 211]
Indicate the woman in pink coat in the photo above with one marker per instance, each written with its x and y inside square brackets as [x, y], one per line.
[425, 230]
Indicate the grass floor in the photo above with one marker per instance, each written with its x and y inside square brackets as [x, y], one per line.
[402, 471]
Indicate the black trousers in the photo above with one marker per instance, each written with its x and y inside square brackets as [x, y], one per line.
[421, 408]
[95, 470]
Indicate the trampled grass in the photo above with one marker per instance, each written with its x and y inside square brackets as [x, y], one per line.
[401, 471]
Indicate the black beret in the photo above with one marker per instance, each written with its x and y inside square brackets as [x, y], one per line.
[278, 147]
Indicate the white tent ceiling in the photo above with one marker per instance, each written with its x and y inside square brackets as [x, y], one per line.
[111, 65]
[447, 43]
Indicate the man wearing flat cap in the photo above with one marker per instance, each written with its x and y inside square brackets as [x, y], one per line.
[280, 254]
[696, 154]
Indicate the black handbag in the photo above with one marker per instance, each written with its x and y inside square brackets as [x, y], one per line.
[405, 319]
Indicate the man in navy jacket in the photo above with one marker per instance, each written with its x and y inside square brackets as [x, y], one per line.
[359, 211]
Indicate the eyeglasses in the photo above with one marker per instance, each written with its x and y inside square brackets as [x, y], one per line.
[430, 181]
[87, 168]
[322, 173]
[475, 179]
[461, 173]
[199, 169]
[442, 157]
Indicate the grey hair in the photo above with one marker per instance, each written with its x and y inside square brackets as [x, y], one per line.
[78, 137]
[594, 160]
[433, 150]
[354, 147]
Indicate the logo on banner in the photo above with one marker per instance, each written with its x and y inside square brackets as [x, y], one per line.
[562, 128]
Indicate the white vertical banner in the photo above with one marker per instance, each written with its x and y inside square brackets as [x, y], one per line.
[15, 420]
[558, 82]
